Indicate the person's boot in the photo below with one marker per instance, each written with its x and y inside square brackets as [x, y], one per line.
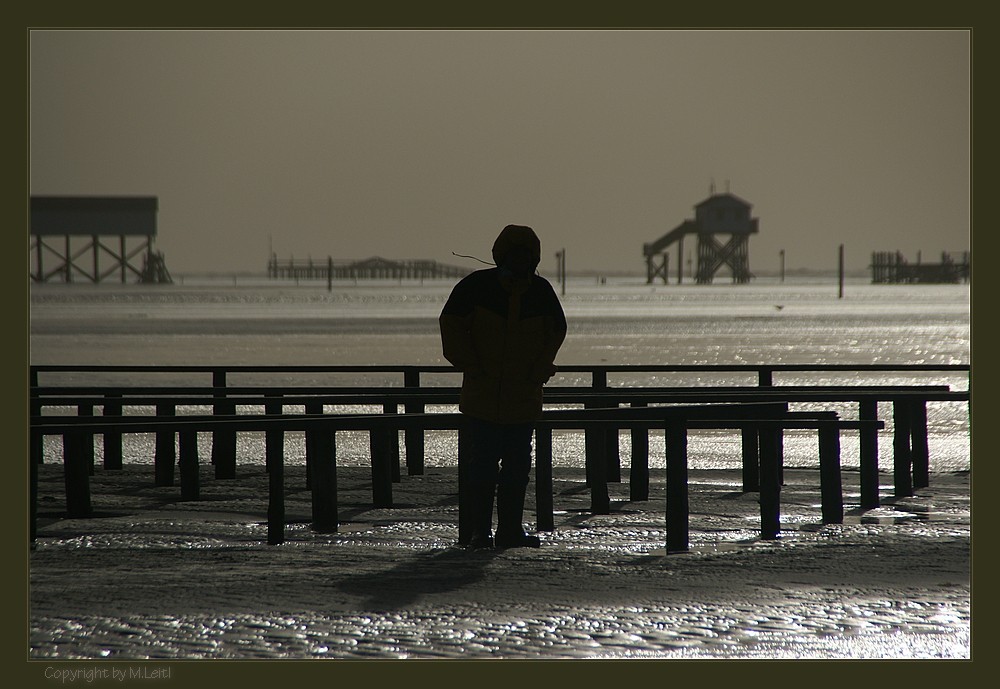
[510, 510]
[481, 503]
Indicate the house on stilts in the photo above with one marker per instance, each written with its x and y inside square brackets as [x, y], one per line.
[722, 227]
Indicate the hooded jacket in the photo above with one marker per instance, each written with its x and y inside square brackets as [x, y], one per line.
[502, 327]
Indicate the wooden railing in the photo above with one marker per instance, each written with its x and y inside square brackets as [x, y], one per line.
[412, 374]
[602, 419]
[766, 421]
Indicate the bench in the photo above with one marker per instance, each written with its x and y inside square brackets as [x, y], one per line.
[767, 420]
[910, 441]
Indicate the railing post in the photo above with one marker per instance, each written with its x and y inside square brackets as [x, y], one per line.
[113, 439]
[831, 487]
[751, 460]
[544, 520]
[591, 449]
[87, 448]
[770, 482]
[612, 452]
[868, 450]
[166, 454]
[602, 446]
[275, 438]
[901, 459]
[638, 477]
[190, 483]
[596, 467]
[392, 443]
[920, 452]
[223, 439]
[677, 486]
[752, 443]
[781, 450]
[378, 440]
[77, 474]
[599, 379]
[274, 450]
[321, 455]
[414, 437]
[313, 408]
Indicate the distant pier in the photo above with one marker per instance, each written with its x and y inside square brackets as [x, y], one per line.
[890, 267]
[375, 268]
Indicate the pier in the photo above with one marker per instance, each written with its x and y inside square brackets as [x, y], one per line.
[890, 267]
[374, 268]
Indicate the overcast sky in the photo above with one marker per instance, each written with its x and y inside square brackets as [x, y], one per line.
[417, 144]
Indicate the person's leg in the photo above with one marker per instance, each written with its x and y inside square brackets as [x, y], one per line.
[512, 482]
[484, 458]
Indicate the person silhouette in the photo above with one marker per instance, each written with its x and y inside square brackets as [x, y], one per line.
[502, 328]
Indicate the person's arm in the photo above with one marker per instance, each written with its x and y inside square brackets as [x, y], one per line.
[455, 323]
[555, 333]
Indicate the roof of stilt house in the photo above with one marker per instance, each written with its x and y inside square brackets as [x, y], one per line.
[726, 199]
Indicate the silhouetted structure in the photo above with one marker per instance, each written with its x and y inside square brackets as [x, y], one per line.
[606, 409]
[890, 267]
[720, 214]
[368, 269]
[106, 223]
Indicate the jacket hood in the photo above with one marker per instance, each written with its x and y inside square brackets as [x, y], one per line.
[515, 237]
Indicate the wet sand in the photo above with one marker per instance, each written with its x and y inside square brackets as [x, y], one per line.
[151, 577]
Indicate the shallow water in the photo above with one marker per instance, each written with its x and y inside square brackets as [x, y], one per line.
[622, 321]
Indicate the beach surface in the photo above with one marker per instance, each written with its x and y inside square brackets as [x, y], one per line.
[152, 577]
